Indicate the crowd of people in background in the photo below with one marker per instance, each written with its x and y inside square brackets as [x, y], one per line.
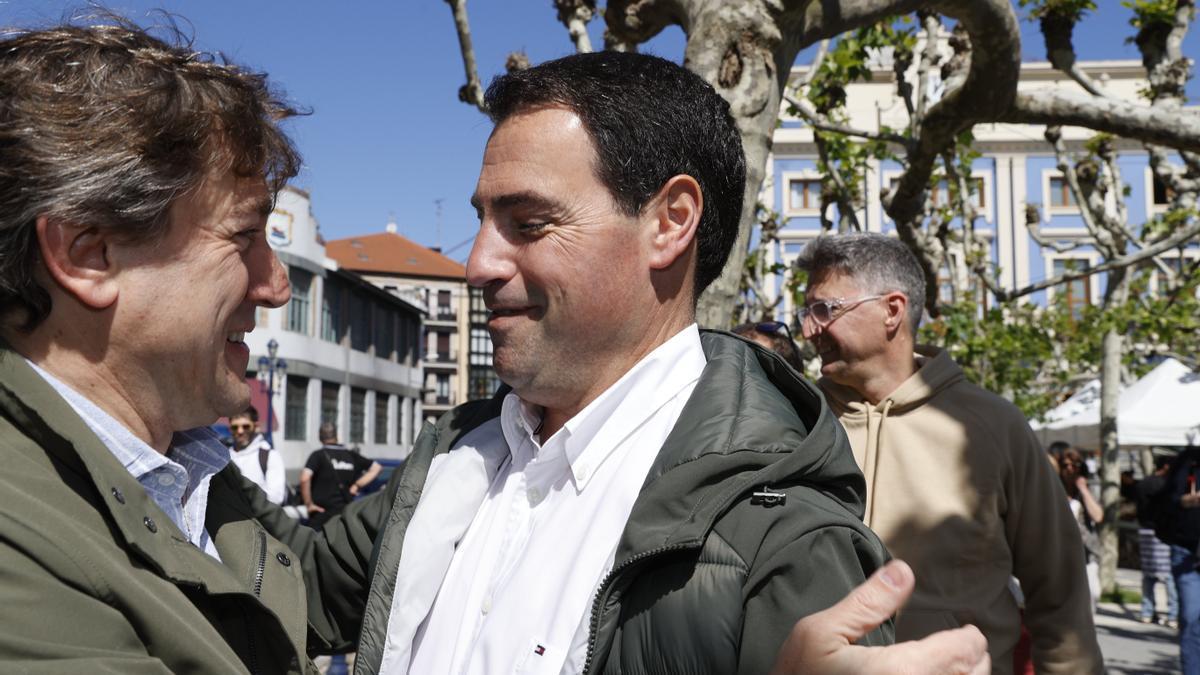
[639, 492]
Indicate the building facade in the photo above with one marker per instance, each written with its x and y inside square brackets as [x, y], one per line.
[457, 351]
[351, 350]
[1017, 167]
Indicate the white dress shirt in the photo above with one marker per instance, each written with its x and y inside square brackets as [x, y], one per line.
[177, 481]
[511, 538]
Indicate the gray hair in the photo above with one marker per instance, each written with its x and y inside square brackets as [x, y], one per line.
[880, 263]
[108, 126]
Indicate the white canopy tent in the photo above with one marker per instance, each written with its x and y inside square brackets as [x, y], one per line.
[1162, 408]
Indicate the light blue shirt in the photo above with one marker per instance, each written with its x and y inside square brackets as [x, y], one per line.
[178, 482]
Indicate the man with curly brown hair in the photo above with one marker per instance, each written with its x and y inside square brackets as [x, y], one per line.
[136, 176]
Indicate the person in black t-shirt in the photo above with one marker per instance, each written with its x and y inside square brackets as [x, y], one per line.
[332, 476]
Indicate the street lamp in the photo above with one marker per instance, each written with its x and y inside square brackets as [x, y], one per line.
[268, 366]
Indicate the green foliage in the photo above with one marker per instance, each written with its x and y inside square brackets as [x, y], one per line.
[1160, 319]
[1147, 13]
[1165, 224]
[1019, 350]
[1122, 596]
[1100, 143]
[1068, 9]
[846, 62]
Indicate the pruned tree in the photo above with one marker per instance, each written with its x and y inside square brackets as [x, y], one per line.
[746, 50]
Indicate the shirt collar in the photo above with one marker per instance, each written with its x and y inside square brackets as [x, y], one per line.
[197, 452]
[588, 438]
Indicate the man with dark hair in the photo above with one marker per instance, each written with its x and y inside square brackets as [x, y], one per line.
[956, 483]
[641, 495]
[254, 456]
[136, 176]
[773, 335]
[333, 476]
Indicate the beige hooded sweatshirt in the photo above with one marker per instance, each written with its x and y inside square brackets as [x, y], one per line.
[959, 487]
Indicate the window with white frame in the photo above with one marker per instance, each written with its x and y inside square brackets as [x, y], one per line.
[1058, 195]
[1076, 294]
[300, 307]
[804, 195]
[978, 183]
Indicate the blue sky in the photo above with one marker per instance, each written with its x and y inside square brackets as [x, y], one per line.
[387, 135]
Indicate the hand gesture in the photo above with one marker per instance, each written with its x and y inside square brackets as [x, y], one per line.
[823, 643]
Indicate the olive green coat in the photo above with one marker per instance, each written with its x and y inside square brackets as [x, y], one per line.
[95, 578]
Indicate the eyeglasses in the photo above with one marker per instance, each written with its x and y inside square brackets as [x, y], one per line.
[240, 427]
[825, 312]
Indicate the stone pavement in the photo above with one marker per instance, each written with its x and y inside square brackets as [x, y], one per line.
[1129, 646]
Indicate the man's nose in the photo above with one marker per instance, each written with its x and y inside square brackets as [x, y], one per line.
[491, 257]
[269, 284]
[809, 328]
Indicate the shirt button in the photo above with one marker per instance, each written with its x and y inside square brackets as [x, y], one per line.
[166, 479]
[487, 605]
[535, 495]
[118, 495]
[582, 472]
[149, 523]
[283, 559]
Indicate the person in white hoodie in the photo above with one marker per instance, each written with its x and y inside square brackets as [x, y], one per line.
[957, 484]
[255, 457]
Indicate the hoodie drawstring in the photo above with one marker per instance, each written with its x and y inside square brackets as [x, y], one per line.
[872, 455]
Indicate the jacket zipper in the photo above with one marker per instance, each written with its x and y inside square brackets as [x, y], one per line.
[603, 590]
[601, 594]
[258, 582]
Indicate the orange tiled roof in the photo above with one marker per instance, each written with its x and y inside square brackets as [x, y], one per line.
[390, 253]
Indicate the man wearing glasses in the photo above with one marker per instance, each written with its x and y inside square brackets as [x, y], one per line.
[255, 457]
[957, 485]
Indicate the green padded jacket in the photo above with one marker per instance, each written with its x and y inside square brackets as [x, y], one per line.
[708, 577]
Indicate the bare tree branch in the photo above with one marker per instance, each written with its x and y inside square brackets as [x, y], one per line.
[847, 212]
[925, 63]
[472, 92]
[817, 62]
[986, 92]
[818, 121]
[1089, 210]
[1057, 30]
[1120, 262]
[1178, 129]
[575, 15]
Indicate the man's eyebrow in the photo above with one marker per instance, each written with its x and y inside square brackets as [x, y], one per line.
[514, 199]
[256, 207]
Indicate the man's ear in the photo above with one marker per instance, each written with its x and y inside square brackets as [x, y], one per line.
[896, 304]
[676, 216]
[77, 258]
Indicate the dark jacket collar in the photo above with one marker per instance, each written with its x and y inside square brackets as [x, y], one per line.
[751, 421]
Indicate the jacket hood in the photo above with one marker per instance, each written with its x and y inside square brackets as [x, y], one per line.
[937, 372]
[751, 422]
